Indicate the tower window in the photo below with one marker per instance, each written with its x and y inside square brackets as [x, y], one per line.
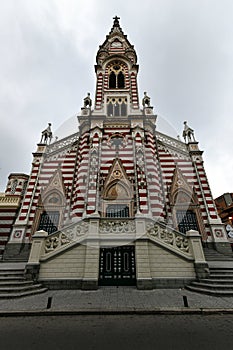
[117, 107]
[116, 77]
[121, 80]
[112, 80]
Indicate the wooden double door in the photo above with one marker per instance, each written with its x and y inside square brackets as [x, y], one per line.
[117, 266]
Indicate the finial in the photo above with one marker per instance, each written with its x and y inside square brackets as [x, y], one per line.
[116, 21]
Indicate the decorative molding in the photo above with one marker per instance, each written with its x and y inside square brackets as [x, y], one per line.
[58, 145]
[9, 201]
[172, 143]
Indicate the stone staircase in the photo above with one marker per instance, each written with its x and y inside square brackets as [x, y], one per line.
[220, 280]
[13, 283]
[212, 255]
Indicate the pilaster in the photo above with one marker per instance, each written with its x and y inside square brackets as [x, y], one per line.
[200, 264]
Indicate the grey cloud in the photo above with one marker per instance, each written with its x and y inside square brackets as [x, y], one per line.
[185, 54]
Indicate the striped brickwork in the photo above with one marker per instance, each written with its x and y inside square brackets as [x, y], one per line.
[7, 219]
[169, 160]
[99, 91]
[78, 201]
[124, 153]
[154, 177]
[43, 169]
[134, 91]
[10, 202]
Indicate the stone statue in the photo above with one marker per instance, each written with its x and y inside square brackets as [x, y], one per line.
[188, 133]
[47, 134]
[146, 100]
[87, 101]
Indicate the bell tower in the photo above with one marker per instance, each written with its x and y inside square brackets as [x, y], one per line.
[116, 75]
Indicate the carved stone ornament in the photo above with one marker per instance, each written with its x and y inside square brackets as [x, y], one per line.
[126, 226]
[61, 238]
[55, 241]
[169, 237]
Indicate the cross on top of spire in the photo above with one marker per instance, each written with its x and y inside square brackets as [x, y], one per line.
[116, 21]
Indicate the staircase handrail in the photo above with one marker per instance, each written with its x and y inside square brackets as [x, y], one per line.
[169, 238]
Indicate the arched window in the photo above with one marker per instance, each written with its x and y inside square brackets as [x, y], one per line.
[110, 109]
[123, 109]
[116, 76]
[120, 81]
[50, 212]
[117, 198]
[112, 81]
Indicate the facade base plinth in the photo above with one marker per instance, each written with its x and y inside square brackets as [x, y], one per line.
[202, 270]
[62, 284]
[170, 283]
[32, 271]
[90, 285]
[144, 284]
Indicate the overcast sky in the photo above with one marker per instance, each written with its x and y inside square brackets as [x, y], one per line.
[185, 55]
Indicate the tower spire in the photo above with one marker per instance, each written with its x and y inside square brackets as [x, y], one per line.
[116, 28]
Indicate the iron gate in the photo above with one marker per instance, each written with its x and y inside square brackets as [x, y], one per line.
[117, 266]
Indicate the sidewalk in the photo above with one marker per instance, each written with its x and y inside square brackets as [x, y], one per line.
[123, 300]
[114, 300]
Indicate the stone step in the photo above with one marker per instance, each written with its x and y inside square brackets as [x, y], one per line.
[15, 283]
[213, 255]
[219, 268]
[213, 286]
[209, 291]
[221, 276]
[12, 278]
[213, 258]
[6, 273]
[19, 289]
[221, 271]
[217, 280]
[23, 294]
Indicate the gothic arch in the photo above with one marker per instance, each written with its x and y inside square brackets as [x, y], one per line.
[49, 215]
[50, 212]
[184, 204]
[116, 72]
[117, 194]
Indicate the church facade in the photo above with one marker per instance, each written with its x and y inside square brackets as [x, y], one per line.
[117, 202]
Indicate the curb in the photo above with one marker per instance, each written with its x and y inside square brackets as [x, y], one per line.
[158, 311]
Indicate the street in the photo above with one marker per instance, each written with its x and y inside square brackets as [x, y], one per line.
[117, 332]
